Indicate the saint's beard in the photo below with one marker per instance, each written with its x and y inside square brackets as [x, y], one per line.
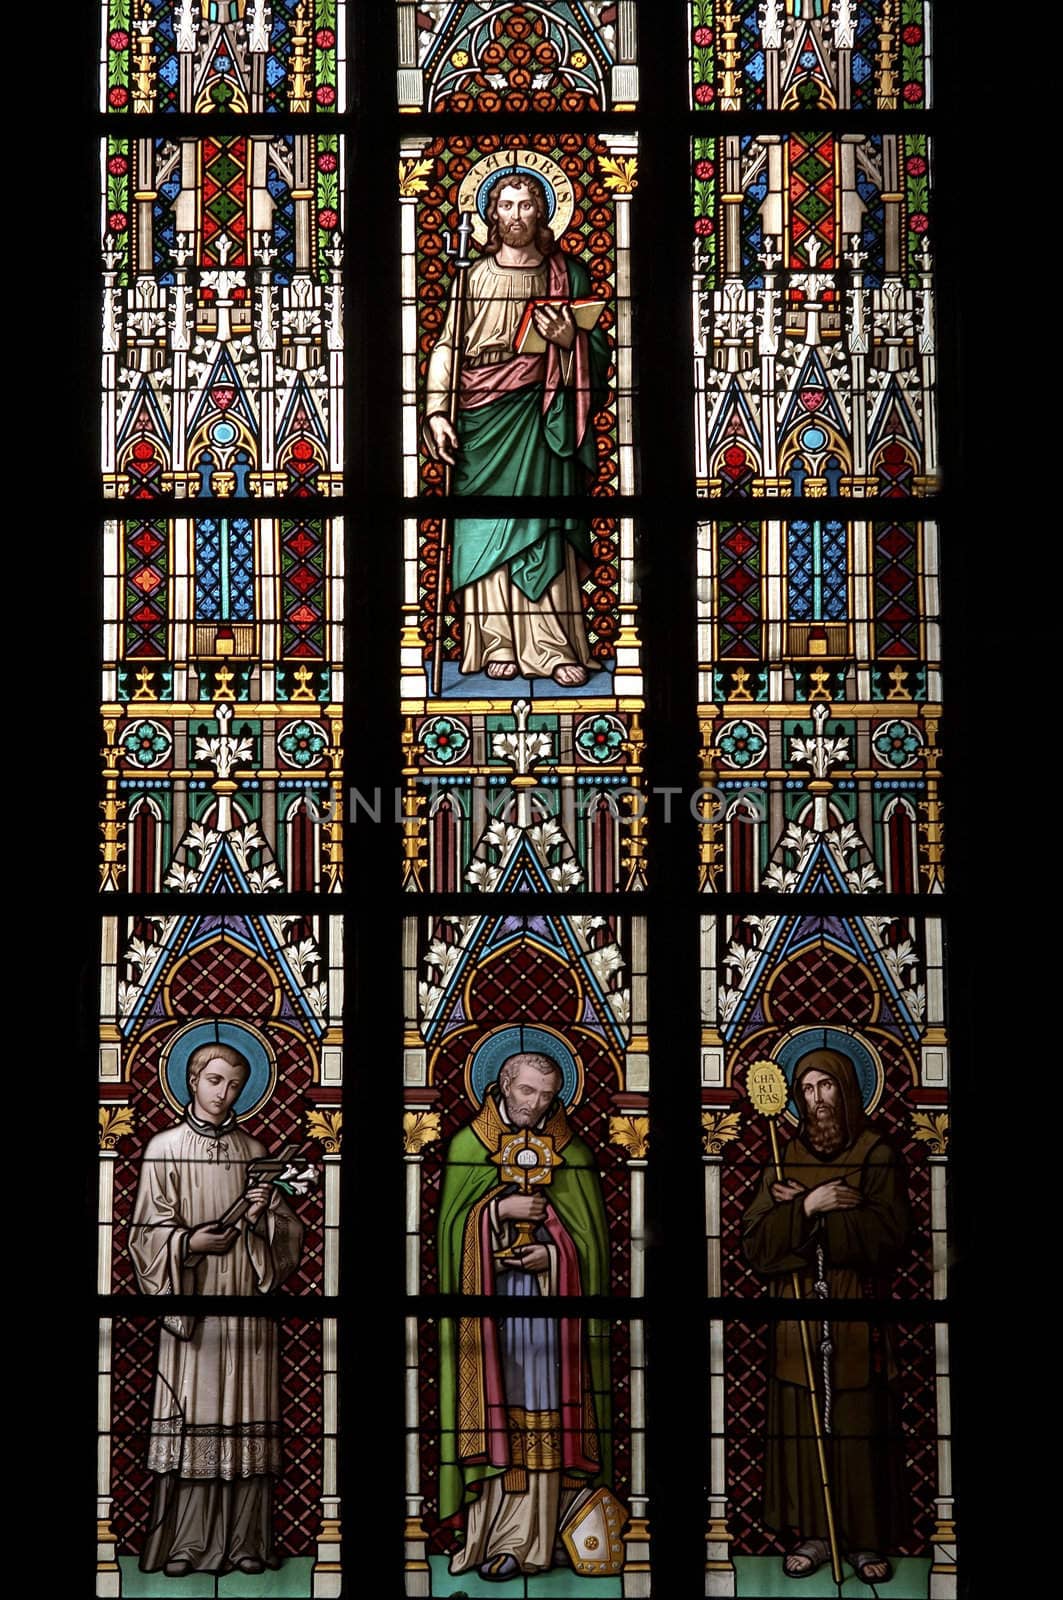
[825, 1129]
[516, 232]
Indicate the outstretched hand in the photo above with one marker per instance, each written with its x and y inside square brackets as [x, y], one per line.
[556, 324]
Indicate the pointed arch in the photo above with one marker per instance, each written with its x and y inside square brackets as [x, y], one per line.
[444, 854]
[900, 846]
[301, 856]
[144, 838]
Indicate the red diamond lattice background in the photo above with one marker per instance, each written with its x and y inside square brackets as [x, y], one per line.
[296, 1503]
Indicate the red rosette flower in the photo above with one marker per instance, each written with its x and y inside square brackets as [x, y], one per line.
[704, 94]
[704, 226]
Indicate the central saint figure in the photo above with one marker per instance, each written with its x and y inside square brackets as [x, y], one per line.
[524, 1397]
[523, 428]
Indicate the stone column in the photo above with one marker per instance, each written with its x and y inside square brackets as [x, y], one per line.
[719, 1568]
[418, 1574]
[108, 1574]
[636, 1571]
[327, 1573]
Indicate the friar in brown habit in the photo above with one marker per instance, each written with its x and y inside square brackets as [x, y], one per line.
[841, 1206]
[215, 1447]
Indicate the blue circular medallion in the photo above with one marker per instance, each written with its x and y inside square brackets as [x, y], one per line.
[223, 433]
[489, 1057]
[259, 1085]
[868, 1069]
[813, 438]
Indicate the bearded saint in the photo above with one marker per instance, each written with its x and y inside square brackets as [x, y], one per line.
[524, 1398]
[215, 1446]
[523, 428]
[840, 1212]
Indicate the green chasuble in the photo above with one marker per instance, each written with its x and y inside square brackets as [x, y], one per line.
[470, 1180]
[509, 446]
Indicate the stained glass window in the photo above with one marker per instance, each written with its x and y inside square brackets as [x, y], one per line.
[458, 320]
[220, 1083]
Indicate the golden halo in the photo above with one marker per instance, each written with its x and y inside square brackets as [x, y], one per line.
[480, 179]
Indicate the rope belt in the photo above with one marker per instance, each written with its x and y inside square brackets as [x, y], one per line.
[826, 1344]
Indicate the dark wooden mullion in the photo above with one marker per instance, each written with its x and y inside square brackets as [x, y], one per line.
[677, 1343]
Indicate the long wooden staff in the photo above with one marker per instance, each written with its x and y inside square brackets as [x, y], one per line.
[459, 254]
[769, 1092]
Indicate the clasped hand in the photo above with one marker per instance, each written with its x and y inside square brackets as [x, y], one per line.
[836, 1195]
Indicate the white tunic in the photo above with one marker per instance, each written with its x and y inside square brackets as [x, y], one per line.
[216, 1411]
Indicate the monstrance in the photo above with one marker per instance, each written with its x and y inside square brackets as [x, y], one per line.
[527, 1159]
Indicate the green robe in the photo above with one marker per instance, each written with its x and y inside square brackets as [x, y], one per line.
[510, 447]
[575, 1194]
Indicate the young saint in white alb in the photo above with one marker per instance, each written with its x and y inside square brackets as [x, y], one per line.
[215, 1446]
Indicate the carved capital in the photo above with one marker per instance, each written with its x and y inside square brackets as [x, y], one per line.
[115, 1123]
[932, 1129]
[631, 1134]
[719, 1128]
[418, 1129]
[328, 1127]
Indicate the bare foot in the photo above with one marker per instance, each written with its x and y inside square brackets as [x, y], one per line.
[570, 676]
[501, 669]
[806, 1558]
[871, 1568]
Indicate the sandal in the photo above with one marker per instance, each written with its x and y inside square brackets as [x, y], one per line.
[861, 1560]
[813, 1552]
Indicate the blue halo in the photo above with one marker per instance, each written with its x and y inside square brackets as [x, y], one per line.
[799, 1044]
[507, 175]
[249, 1044]
[489, 1056]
